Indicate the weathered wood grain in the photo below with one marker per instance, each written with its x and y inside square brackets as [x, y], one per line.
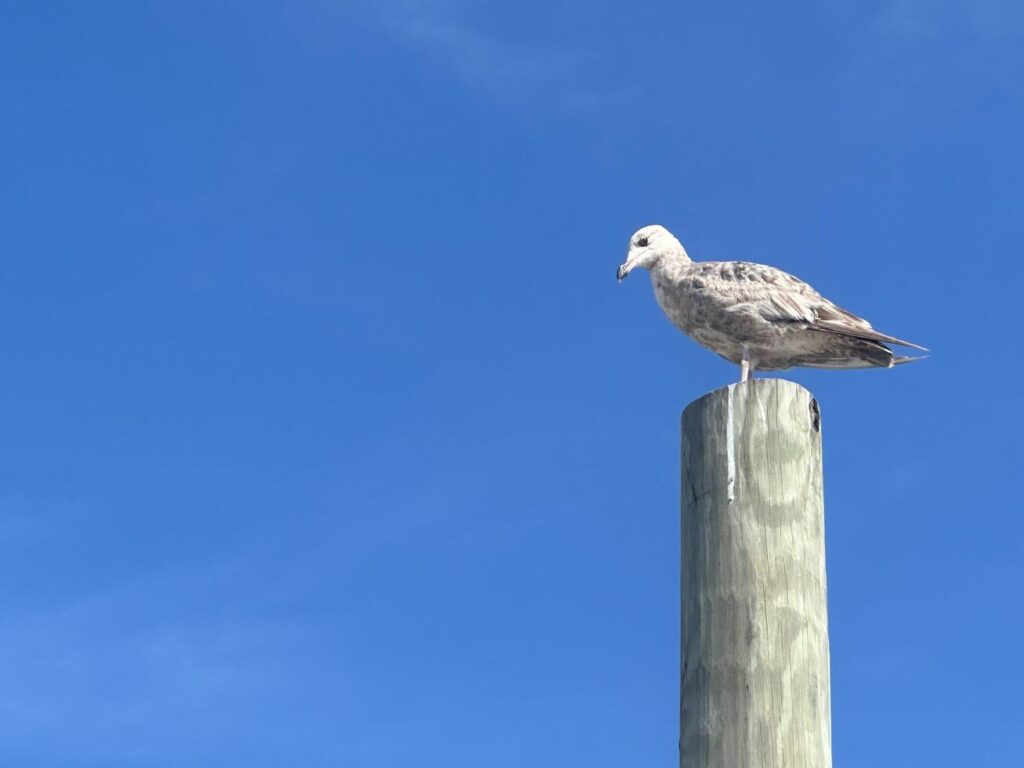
[755, 658]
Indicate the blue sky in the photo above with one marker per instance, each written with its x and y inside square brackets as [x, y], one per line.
[329, 438]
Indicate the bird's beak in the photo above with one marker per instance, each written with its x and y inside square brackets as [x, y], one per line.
[624, 269]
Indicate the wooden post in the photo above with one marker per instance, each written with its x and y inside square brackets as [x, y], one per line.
[755, 660]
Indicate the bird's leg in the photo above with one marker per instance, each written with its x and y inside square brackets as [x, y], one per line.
[745, 372]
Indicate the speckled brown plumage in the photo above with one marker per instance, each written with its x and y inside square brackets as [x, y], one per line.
[754, 314]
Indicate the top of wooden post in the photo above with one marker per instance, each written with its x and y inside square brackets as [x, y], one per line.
[763, 390]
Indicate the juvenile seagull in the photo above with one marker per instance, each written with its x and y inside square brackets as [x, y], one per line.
[753, 315]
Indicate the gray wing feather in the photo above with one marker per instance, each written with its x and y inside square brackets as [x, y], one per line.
[778, 296]
[860, 332]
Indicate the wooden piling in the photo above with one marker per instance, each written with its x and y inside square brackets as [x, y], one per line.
[755, 657]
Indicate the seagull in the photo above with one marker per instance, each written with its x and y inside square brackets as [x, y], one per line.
[755, 316]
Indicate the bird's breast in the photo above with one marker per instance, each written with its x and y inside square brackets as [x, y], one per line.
[694, 306]
[672, 296]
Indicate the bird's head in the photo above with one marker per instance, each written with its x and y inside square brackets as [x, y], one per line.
[647, 247]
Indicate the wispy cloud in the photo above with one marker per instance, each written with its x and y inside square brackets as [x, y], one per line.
[906, 18]
[927, 19]
[107, 669]
[511, 71]
[485, 62]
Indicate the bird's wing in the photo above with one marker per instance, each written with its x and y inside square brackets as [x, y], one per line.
[774, 295]
[778, 296]
[833, 319]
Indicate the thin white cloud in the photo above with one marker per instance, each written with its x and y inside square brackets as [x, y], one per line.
[927, 19]
[484, 62]
[907, 18]
[106, 668]
[511, 71]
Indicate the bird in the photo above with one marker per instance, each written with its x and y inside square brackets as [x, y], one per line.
[756, 316]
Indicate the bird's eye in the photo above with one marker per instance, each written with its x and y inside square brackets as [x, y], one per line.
[642, 242]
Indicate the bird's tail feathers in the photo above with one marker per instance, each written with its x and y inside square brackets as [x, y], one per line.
[862, 333]
[858, 353]
[853, 363]
[909, 359]
[849, 364]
